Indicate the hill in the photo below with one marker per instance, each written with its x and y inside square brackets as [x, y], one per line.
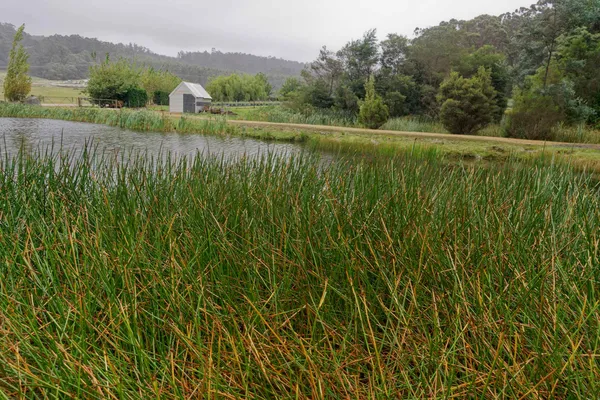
[59, 57]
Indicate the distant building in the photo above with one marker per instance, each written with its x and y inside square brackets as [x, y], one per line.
[188, 98]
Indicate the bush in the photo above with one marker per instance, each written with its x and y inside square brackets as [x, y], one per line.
[160, 98]
[136, 97]
[533, 116]
[373, 112]
[537, 111]
[468, 105]
[111, 81]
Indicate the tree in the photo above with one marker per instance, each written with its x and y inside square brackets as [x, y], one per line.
[17, 83]
[394, 52]
[373, 113]
[489, 58]
[359, 59]
[468, 104]
[290, 86]
[243, 87]
[158, 84]
[578, 58]
[116, 81]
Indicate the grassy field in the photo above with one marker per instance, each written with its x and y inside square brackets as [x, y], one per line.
[48, 89]
[400, 277]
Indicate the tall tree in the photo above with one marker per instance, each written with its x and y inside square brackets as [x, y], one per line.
[360, 58]
[17, 83]
[394, 52]
[328, 68]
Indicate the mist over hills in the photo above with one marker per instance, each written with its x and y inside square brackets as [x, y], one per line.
[69, 57]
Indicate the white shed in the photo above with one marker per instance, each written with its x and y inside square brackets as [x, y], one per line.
[188, 98]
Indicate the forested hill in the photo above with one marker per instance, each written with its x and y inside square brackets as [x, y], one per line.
[69, 57]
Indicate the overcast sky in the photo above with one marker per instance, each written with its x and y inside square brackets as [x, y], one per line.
[293, 30]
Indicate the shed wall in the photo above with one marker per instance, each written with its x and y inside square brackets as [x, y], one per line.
[176, 99]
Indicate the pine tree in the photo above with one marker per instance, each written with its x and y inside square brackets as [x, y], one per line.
[17, 83]
[373, 112]
[468, 105]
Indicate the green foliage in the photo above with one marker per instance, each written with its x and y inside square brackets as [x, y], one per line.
[237, 87]
[310, 116]
[160, 81]
[468, 104]
[290, 88]
[489, 58]
[548, 98]
[112, 80]
[533, 116]
[373, 112]
[127, 83]
[136, 97]
[17, 83]
[161, 98]
[344, 99]
[359, 59]
[578, 59]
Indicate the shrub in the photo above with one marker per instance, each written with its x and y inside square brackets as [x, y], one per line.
[468, 105]
[533, 116]
[160, 98]
[136, 97]
[373, 112]
[537, 111]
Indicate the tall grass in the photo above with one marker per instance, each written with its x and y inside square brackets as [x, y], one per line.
[128, 119]
[414, 124]
[316, 117]
[273, 278]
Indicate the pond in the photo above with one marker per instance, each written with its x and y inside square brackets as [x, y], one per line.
[34, 135]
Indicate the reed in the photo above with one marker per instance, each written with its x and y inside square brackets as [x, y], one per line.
[316, 117]
[398, 277]
[127, 119]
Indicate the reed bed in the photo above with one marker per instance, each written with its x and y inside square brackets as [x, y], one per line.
[283, 278]
[316, 117]
[127, 119]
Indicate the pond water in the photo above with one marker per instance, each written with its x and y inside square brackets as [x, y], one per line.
[34, 135]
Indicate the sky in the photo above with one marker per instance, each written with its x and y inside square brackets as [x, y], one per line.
[293, 30]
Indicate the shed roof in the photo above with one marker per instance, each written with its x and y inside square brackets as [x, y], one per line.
[196, 89]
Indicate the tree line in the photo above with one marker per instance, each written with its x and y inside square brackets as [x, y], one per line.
[544, 57]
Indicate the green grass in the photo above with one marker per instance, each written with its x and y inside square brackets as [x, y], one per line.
[402, 277]
[414, 124]
[284, 115]
[47, 89]
[336, 141]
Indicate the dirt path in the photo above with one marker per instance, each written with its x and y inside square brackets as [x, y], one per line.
[421, 135]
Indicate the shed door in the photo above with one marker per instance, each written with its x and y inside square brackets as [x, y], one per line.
[189, 103]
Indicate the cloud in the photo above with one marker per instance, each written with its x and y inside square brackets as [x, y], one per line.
[288, 29]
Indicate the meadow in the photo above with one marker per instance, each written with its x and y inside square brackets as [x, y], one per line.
[395, 277]
[52, 93]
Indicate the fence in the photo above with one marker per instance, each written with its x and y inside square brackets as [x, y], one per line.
[79, 102]
[108, 103]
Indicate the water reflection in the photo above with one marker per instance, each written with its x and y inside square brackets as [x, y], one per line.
[40, 134]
